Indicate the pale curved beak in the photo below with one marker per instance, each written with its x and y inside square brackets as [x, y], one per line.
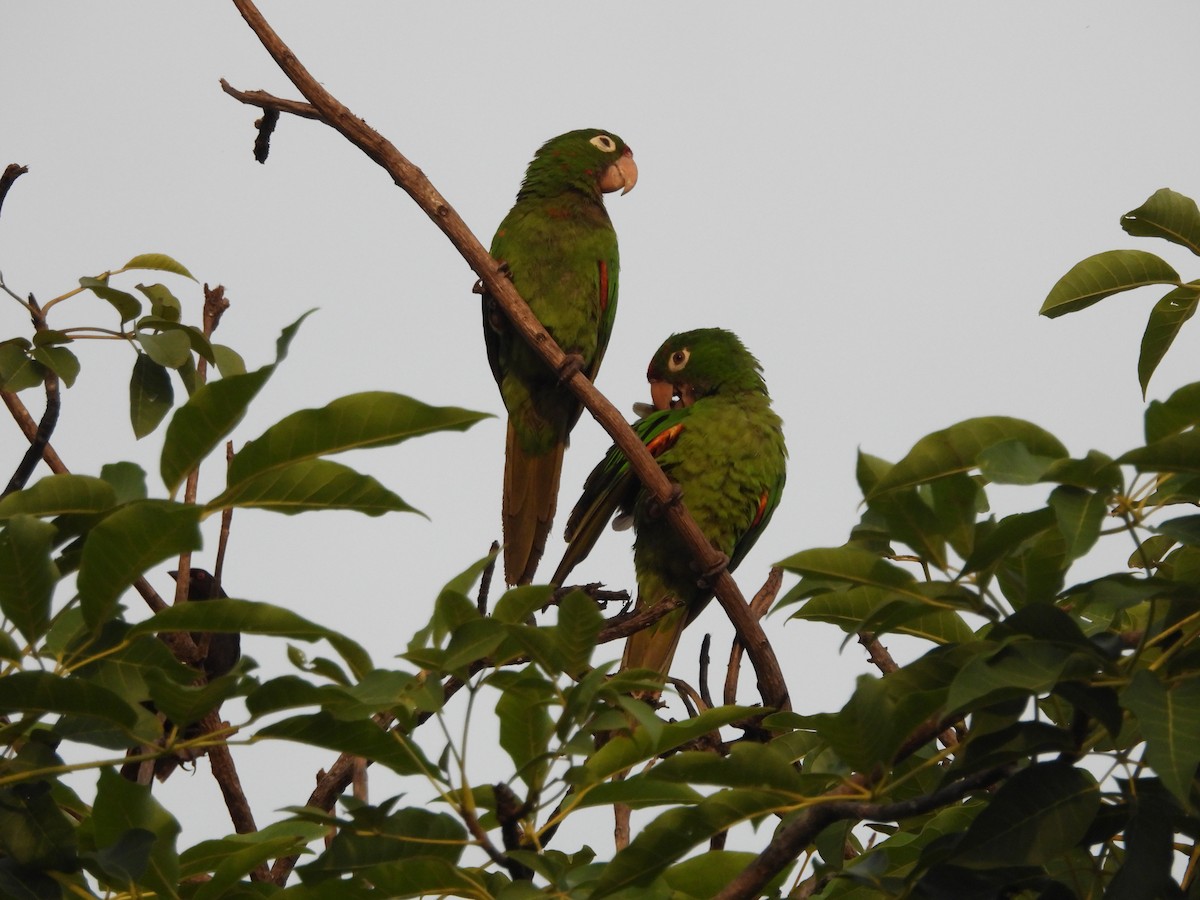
[620, 176]
[661, 393]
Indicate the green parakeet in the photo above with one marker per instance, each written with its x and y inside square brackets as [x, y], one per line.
[561, 252]
[713, 432]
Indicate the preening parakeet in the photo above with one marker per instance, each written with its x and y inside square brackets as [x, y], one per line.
[714, 433]
[561, 251]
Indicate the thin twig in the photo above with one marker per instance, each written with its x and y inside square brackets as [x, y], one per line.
[485, 581]
[37, 445]
[12, 172]
[759, 607]
[705, 661]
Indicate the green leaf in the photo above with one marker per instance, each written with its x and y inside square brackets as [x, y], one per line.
[853, 566]
[171, 349]
[1039, 813]
[1177, 413]
[34, 834]
[127, 543]
[128, 480]
[17, 371]
[370, 419]
[1164, 323]
[1170, 720]
[625, 750]
[59, 495]
[212, 412]
[526, 727]
[1166, 215]
[61, 361]
[849, 609]
[579, 624]
[1177, 453]
[358, 738]
[1184, 529]
[128, 307]
[696, 877]
[150, 395]
[229, 361]
[27, 574]
[958, 448]
[1079, 514]
[250, 617]
[676, 832]
[1010, 462]
[1103, 275]
[309, 485]
[160, 262]
[163, 303]
[1018, 668]
[122, 805]
[38, 693]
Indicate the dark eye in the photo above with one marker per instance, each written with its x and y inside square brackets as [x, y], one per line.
[604, 142]
[678, 359]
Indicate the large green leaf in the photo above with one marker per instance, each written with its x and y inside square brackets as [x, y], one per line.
[1170, 721]
[849, 609]
[127, 543]
[250, 617]
[128, 307]
[1103, 275]
[371, 419]
[853, 566]
[58, 495]
[1018, 668]
[39, 693]
[1079, 514]
[958, 448]
[626, 750]
[308, 485]
[121, 806]
[676, 832]
[61, 361]
[159, 262]
[1177, 413]
[150, 395]
[526, 726]
[212, 412]
[1167, 317]
[1039, 813]
[359, 738]
[1166, 215]
[1176, 453]
[27, 574]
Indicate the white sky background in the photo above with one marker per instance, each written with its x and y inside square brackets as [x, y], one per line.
[876, 197]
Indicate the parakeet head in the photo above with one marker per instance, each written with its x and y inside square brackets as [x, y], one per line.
[698, 364]
[590, 160]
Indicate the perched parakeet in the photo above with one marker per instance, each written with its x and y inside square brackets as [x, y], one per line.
[713, 432]
[561, 252]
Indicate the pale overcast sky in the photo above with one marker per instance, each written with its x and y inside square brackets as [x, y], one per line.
[875, 196]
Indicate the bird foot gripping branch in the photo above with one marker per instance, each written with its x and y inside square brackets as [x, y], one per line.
[708, 576]
[572, 363]
[657, 509]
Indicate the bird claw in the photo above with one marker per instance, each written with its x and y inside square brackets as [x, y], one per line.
[708, 577]
[656, 508]
[501, 269]
[571, 364]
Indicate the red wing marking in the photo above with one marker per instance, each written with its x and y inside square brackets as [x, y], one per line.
[762, 508]
[603, 286]
[664, 441]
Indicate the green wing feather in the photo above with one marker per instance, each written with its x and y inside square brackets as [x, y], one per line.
[611, 487]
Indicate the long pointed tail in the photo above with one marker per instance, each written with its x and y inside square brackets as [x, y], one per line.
[530, 497]
[654, 647]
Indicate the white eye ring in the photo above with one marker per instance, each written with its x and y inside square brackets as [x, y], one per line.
[678, 359]
[604, 142]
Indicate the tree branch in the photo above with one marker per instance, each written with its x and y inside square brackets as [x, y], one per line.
[410, 178]
[12, 172]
